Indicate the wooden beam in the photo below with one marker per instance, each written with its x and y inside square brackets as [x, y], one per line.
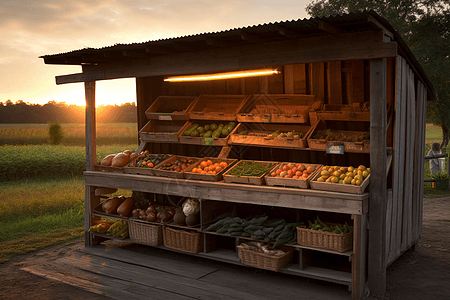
[325, 26]
[378, 182]
[250, 37]
[157, 50]
[289, 33]
[135, 53]
[217, 43]
[353, 46]
[89, 88]
[94, 57]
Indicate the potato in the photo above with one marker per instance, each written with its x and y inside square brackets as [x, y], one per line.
[127, 152]
[133, 156]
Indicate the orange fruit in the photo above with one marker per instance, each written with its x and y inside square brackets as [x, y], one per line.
[199, 170]
[194, 170]
[218, 169]
[203, 164]
[223, 165]
[211, 168]
[209, 162]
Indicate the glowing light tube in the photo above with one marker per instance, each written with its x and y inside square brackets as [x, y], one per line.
[227, 75]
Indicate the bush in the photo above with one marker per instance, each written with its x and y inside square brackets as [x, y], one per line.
[55, 132]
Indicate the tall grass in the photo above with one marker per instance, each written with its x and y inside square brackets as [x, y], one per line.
[74, 134]
[48, 161]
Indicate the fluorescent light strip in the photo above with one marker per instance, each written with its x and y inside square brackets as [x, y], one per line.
[228, 75]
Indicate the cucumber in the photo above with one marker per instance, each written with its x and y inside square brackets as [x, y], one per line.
[208, 133]
[213, 127]
[225, 132]
[190, 129]
[195, 133]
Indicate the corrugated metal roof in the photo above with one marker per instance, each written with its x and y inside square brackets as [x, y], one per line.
[267, 32]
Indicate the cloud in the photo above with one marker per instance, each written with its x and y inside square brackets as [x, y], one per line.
[31, 28]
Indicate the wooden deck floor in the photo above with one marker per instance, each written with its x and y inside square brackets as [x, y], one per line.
[134, 271]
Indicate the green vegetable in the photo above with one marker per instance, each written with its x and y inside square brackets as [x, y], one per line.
[225, 132]
[195, 133]
[213, 126]
[208, 133]
[190, 129]
[250, 168]
[200, 129]
[245, 132]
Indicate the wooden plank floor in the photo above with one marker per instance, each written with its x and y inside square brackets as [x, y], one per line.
[134, 272]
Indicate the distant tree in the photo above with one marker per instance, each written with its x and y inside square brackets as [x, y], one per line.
[425, 26]
[56, 133]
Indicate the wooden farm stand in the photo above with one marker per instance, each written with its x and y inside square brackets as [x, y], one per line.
[356, 65]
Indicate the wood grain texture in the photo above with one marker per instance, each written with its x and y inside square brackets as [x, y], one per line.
[376, 262]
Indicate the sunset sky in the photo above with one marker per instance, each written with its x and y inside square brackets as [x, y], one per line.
[31, 28]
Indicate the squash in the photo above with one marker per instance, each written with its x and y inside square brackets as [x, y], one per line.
[111, 206]
[126, 207]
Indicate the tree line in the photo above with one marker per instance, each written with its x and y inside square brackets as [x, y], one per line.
[26, 113]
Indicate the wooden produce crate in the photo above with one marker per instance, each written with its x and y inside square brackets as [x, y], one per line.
[158, 171]
[259, 134]
[257, 180]
[145, 233]
[183, 240]
[210, 141]
[326, 240]
[265, 261]
[338, 187]
[170, 108]
[216, 107]
[276, 108]
[342, 112]
[188, 174]
[161, 131]
[358, 141]
[292, 182]
[99, 167]
[131, 169]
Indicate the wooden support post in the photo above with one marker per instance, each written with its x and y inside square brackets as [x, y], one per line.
[378, 184]
[89, 88]
[359, 256]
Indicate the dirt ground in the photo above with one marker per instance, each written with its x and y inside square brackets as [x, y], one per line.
[420, 274]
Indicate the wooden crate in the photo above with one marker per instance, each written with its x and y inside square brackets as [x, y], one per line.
[209, 177]
[342, 112]
[338, 187]
[166, 173]
[129, 169]
[161, 131]
[216, 107]
[259, 135]
[99, 167]
[291, 182]
[322, 144]
[276, 108]
[222, 141]
[257, 180]
[168, 108]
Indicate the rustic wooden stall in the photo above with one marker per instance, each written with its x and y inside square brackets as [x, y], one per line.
[352, 72]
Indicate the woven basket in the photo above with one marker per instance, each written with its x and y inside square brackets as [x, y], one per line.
[183, 240]
[326, 240]
[265, 261]
[144, 233]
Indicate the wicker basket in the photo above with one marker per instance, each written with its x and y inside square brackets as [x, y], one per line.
[326, 240]
[183, 240]
[265, 261]
[145, 233]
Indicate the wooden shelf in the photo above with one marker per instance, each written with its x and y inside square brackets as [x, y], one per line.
[233, 192]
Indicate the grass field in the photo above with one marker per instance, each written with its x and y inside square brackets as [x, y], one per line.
[74, 134]
[37, 213]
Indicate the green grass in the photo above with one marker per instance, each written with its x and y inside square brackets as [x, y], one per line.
[74, 134]
[48, 161]
[36, 213]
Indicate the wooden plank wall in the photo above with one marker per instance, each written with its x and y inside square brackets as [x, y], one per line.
[340, 82]
[404, 210]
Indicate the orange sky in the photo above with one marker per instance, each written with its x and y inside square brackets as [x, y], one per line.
[30, 28]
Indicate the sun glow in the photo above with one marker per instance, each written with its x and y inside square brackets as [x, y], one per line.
[227, 75]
